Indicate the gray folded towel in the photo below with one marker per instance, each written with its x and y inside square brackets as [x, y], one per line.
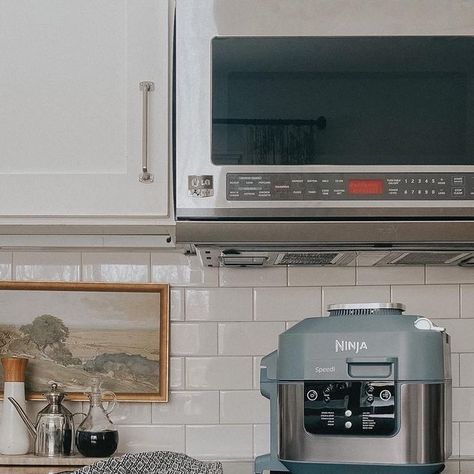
[158, 462]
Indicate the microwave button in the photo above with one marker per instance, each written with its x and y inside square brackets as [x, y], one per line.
[457, 180]
[457, 192]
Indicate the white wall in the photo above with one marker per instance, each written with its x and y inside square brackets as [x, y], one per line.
[224, 320]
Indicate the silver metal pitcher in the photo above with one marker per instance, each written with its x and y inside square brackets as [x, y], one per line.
[53, 432]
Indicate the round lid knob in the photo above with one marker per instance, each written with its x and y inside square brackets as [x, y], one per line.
[54, 396]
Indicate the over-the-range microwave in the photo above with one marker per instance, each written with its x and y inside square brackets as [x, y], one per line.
[309, 123]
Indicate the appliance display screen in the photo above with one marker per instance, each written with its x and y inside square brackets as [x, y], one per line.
[366, 186]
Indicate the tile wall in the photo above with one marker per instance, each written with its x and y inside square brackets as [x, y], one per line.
[224, 320]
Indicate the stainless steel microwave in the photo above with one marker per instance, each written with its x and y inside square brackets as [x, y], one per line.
[311, 111]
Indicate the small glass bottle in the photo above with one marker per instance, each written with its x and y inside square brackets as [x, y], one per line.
[97, 436]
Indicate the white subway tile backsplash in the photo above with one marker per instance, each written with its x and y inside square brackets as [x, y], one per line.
[6, 259]
[236, 467]
[219, 373]
[466, 440]
[467, 301]
[187, 408]
[139, 438]
[219, 304]
[253, 338]
[193, 339]
[244, 277]
[321, 276]
[256, 372]
[219, 441]
[131, 414]
[452, 467]
[431, 301]
[218, 335]
[282, 304]
[455, 439]
[455, 369]
[181, 270]
[176, 304]
[244, 406]
[47, 266]
[466, 364]
[176, 381]
[454, 274]
[261, 440]
[463, 404]
[390, 275]
[465, 467]
[354, 294]
[461, 332]
[116, 266]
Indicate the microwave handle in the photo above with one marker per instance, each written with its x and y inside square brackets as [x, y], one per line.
[146, 87]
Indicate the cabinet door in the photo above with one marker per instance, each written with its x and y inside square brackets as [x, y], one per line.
[71, 109]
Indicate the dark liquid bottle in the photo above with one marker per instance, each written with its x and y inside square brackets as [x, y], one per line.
[97, 444]
[97, 436]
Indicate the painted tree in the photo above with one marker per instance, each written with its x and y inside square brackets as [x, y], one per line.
[46, 330]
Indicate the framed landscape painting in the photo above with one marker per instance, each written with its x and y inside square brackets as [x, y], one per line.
[73, 332]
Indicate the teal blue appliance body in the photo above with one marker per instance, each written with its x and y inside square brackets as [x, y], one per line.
[366, 390]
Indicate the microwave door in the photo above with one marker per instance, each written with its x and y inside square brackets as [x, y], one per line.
[285, 110]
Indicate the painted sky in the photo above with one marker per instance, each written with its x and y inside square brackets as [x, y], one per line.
[82, 309]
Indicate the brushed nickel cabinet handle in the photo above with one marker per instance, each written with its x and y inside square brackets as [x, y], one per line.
[145, 176]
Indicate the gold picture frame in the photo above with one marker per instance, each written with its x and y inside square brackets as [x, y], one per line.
[63, 327]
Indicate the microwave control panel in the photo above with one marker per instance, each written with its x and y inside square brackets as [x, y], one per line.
[349, 186]
[354, 408]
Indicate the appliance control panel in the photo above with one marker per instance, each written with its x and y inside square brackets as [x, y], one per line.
[349, 186]
[354, 408]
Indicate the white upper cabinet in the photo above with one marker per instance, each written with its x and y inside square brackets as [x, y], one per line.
[72, 112]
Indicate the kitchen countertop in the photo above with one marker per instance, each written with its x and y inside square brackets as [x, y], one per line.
[32, 460]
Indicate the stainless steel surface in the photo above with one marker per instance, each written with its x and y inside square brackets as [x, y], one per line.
[336, 307]
[351, 235]
[199, 22]
[345, 254]
[146, 87]
[424, 435]
[53, 432]
[31, 427]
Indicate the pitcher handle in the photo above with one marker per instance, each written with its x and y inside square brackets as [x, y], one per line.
[110, 409]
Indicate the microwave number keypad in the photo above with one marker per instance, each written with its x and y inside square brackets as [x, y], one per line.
[349, 186]
[357, 408]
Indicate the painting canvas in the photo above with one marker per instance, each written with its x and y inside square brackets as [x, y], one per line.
[72, 332]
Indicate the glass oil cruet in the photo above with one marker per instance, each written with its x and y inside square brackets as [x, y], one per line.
[97, 436]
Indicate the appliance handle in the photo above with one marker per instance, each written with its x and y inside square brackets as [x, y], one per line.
[146, 87]
[372, 367]
[371, 360]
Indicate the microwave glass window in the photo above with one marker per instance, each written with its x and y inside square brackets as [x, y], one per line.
[343, 101]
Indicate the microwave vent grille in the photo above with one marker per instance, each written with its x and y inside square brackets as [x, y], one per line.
[309, 258]
[427, 258]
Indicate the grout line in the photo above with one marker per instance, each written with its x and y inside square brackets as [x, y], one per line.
[13, 272]
[254, 316]
[459, 439]
[460, 308]
[183, 293]
[150, 268]
[81, 267]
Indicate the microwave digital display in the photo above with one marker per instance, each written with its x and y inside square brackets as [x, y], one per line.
[366, 186]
